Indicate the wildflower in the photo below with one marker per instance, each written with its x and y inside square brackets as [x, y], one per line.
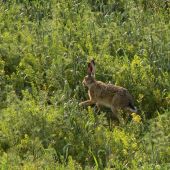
[26, 136]
[134, 145]
[20, 64]
[136, 117]
[125, 151]
[133, 114]
[3, 62]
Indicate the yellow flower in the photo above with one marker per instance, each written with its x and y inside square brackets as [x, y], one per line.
[3, 62]
[20, 64]
[134, 145]
[26, 136]
[133, 114]
[137, 118]
[125, 151]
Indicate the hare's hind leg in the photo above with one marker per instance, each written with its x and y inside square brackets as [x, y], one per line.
[87, 103]
[100, 107]
[117, 112]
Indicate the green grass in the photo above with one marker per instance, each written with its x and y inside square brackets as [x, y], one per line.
[44, 50]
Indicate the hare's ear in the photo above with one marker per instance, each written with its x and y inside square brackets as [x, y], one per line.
[93, 67]
[89, 69]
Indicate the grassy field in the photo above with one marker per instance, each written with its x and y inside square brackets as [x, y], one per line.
[44, 50]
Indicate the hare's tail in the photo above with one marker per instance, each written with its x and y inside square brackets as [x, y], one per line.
[132, 108]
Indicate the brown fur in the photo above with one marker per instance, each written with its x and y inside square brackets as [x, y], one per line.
[115, 97]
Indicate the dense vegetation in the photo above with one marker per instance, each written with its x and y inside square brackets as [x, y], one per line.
[44, 50]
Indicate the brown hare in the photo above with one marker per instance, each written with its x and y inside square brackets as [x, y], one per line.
[115, 97]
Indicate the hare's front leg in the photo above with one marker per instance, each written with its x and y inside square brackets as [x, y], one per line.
[87, 103]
